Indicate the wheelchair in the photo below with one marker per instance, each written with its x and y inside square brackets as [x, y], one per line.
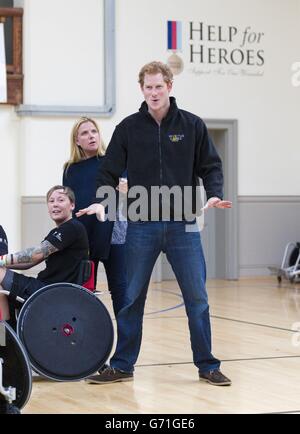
[15, 372]
[290, 266]
[64, 333]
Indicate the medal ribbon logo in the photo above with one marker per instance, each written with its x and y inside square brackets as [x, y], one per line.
[175, 35]
[174, 45]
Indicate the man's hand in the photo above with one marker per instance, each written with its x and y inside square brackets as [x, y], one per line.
[95, 208]
[215, 202]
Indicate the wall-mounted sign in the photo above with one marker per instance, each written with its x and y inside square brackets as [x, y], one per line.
[218, 49]
[175, 44]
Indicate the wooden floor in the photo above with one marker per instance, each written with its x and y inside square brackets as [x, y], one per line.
[254, 326]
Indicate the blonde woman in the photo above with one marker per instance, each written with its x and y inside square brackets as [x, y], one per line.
[106, 240]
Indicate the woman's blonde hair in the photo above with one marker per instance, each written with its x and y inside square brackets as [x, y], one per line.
[77, 153]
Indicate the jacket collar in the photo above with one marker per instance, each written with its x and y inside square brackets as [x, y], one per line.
[172, 110]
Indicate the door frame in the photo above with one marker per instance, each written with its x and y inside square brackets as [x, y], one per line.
[229, 128]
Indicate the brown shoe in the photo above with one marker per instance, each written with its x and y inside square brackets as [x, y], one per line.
[109, 375]
[215, 377]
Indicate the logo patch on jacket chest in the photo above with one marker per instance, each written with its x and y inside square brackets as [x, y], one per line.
[176, 137]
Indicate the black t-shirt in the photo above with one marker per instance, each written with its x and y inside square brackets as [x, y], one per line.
[3, 242]
[71, 240]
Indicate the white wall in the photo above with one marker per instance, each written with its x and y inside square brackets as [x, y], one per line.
[267, 107]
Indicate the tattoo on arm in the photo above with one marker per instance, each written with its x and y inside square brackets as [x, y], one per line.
[47, 249]
[25, 256]
[33, 254]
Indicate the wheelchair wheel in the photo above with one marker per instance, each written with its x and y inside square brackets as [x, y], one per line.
[67, 332]
[6, 408]
[294, 256]
[16, 370]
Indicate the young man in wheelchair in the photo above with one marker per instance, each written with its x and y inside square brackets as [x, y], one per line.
[63, 249]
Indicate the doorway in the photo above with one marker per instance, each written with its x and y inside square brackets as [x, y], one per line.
[220, 230]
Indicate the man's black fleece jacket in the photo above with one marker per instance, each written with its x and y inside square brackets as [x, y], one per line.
[177, 152]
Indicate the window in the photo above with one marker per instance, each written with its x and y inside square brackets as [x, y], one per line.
[12, 19]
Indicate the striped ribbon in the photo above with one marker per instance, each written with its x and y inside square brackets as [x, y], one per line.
[175, 35]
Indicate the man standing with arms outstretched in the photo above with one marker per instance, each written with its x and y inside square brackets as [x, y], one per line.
[163, 146]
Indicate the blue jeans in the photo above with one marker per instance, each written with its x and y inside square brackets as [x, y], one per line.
[183, 249]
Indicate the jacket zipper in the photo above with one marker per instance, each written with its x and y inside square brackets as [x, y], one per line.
[160, 157]
[160, 169]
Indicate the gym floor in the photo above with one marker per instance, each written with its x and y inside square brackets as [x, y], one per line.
[256, 334]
